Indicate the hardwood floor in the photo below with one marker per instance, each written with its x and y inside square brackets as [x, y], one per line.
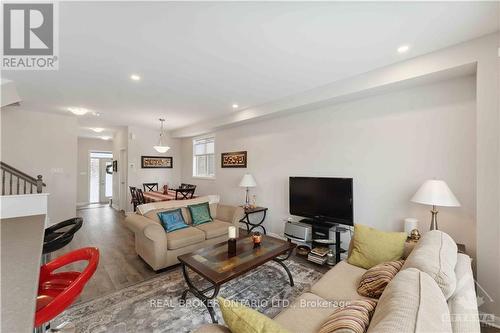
[119, 265]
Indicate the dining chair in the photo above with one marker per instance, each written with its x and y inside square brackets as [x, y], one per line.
[140, 197]
[135, 199]
[185, 193]
[150, 187]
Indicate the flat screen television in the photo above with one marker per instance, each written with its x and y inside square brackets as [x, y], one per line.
[325, 200]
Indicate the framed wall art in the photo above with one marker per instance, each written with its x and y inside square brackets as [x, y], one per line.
[157, 162]
[237, 159]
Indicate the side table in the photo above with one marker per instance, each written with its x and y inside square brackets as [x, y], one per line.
[246, 219]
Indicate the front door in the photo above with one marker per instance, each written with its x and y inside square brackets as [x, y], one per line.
[105, 179]
[101, 177]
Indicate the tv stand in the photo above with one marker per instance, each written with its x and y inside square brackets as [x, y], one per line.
[321, 235]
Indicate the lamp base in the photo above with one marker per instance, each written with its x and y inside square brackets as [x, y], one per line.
[434, 222]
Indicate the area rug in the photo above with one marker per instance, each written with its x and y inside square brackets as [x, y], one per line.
[153, 305]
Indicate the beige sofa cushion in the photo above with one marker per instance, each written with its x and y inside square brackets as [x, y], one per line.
[463, 303]
[411, 302]
[214, 229]
[340, 283]
[184, 237]
[436, 255]
[306, 314]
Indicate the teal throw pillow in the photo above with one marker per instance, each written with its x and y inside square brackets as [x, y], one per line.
[172, 220]
[200, 213]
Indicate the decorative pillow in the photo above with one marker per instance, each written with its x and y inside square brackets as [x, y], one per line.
[242, 319]
[172, 220]
[374, 281]
[436, 254]
[372, 247]
[200, 213]
[354, 317]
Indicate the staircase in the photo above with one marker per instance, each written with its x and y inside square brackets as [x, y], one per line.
[17, 182]
[23, 211]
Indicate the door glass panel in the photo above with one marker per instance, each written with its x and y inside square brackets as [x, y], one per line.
[109, 183]
[94, 180]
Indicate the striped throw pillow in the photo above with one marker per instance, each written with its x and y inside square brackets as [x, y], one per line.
[374, 281]
[352, 318]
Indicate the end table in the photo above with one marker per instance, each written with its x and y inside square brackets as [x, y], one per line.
[249, 224]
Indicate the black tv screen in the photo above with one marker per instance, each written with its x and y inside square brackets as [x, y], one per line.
[323, 199]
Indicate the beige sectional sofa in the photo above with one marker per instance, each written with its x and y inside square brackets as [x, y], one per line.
[412, 302]
[160, 249]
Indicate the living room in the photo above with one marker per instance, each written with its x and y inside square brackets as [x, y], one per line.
[259, 126]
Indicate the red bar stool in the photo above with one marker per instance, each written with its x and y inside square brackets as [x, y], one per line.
[57, 291]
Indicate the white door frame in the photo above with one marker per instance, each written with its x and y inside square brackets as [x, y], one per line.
[122, 179]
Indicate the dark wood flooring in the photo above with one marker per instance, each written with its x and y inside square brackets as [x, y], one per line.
[119, 265]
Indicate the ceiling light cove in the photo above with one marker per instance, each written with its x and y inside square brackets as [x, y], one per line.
[106, 137]
[403, 48]
[135, 77]
[97, 129]
[235, 106]
[78, 111]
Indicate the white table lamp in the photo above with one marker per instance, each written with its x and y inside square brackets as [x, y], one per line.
[435, 193]
[247, 181]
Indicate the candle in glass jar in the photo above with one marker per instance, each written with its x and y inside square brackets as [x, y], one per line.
[232, 232]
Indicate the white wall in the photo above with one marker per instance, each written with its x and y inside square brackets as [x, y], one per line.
[85, 146]
[139, 141]
[388, 143]
[44, 144]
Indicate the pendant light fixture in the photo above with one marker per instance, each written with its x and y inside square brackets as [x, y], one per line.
[161, 147]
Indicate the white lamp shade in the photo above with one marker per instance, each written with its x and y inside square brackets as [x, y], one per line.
[436, 193]
[248, 181]
[161, 149]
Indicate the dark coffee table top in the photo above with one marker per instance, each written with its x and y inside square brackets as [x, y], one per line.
[214, 264]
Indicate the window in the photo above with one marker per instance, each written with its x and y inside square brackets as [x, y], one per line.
[204, 157]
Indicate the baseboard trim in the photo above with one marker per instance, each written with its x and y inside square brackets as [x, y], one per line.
[115, 207]
[272, 234]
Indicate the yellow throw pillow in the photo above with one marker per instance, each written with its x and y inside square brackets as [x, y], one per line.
[242, 319]
[371, 247]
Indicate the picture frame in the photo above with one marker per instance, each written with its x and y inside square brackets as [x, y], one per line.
[236, 159]
[157, 162]
[115, 166]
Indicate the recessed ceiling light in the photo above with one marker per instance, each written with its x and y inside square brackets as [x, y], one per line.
[105, 137]
[135, 77]
[403, 48]
[235, 106]
[78, 111]
[97, 129]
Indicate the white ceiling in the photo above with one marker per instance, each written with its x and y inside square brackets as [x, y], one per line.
[197, 59]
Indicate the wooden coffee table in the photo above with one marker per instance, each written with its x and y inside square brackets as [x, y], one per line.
[215, 266]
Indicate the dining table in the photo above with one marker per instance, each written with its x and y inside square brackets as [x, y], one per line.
[156, 196]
